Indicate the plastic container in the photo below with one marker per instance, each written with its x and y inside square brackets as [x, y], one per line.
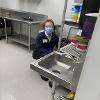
[81, 47]
[74, 42]
[76, 9]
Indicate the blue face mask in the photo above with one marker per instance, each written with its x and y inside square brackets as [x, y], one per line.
[49, 30]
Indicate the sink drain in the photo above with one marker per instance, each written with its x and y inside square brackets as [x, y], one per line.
[56, 71]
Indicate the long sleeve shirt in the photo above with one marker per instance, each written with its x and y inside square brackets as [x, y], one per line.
[43, 45]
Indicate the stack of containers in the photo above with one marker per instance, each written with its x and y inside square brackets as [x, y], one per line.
[81, 43]
[76, 10]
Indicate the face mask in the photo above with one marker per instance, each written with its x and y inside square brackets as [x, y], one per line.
[49, 30]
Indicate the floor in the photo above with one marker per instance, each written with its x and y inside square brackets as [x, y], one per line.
[17, 80]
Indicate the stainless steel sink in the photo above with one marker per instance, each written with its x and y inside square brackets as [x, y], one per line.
[56, 62]
[57, 67]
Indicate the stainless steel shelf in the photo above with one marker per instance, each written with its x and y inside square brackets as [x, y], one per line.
[22, 39]
[22, 17]
[71, 22]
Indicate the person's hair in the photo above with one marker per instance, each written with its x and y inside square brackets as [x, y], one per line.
[49, 20]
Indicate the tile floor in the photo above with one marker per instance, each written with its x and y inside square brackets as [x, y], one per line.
[17, 80]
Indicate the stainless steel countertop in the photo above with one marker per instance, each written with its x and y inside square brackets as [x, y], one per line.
[21, 16]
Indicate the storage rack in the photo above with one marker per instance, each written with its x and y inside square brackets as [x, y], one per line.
[71, 23]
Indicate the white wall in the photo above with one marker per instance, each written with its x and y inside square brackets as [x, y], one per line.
[89, 85]
[52, 8]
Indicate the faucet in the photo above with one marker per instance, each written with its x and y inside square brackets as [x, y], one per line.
[75, 59]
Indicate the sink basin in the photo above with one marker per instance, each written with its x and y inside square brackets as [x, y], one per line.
[59, 68]
[55, 66]
[56, 63]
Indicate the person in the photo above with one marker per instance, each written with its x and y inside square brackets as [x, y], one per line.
[46, 40]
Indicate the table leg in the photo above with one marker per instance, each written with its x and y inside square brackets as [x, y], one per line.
[53, 91]
[20, 33]
[6, 31]
[29, 37]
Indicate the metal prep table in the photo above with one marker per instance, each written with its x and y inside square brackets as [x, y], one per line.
[55, 66]
[22, 17]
